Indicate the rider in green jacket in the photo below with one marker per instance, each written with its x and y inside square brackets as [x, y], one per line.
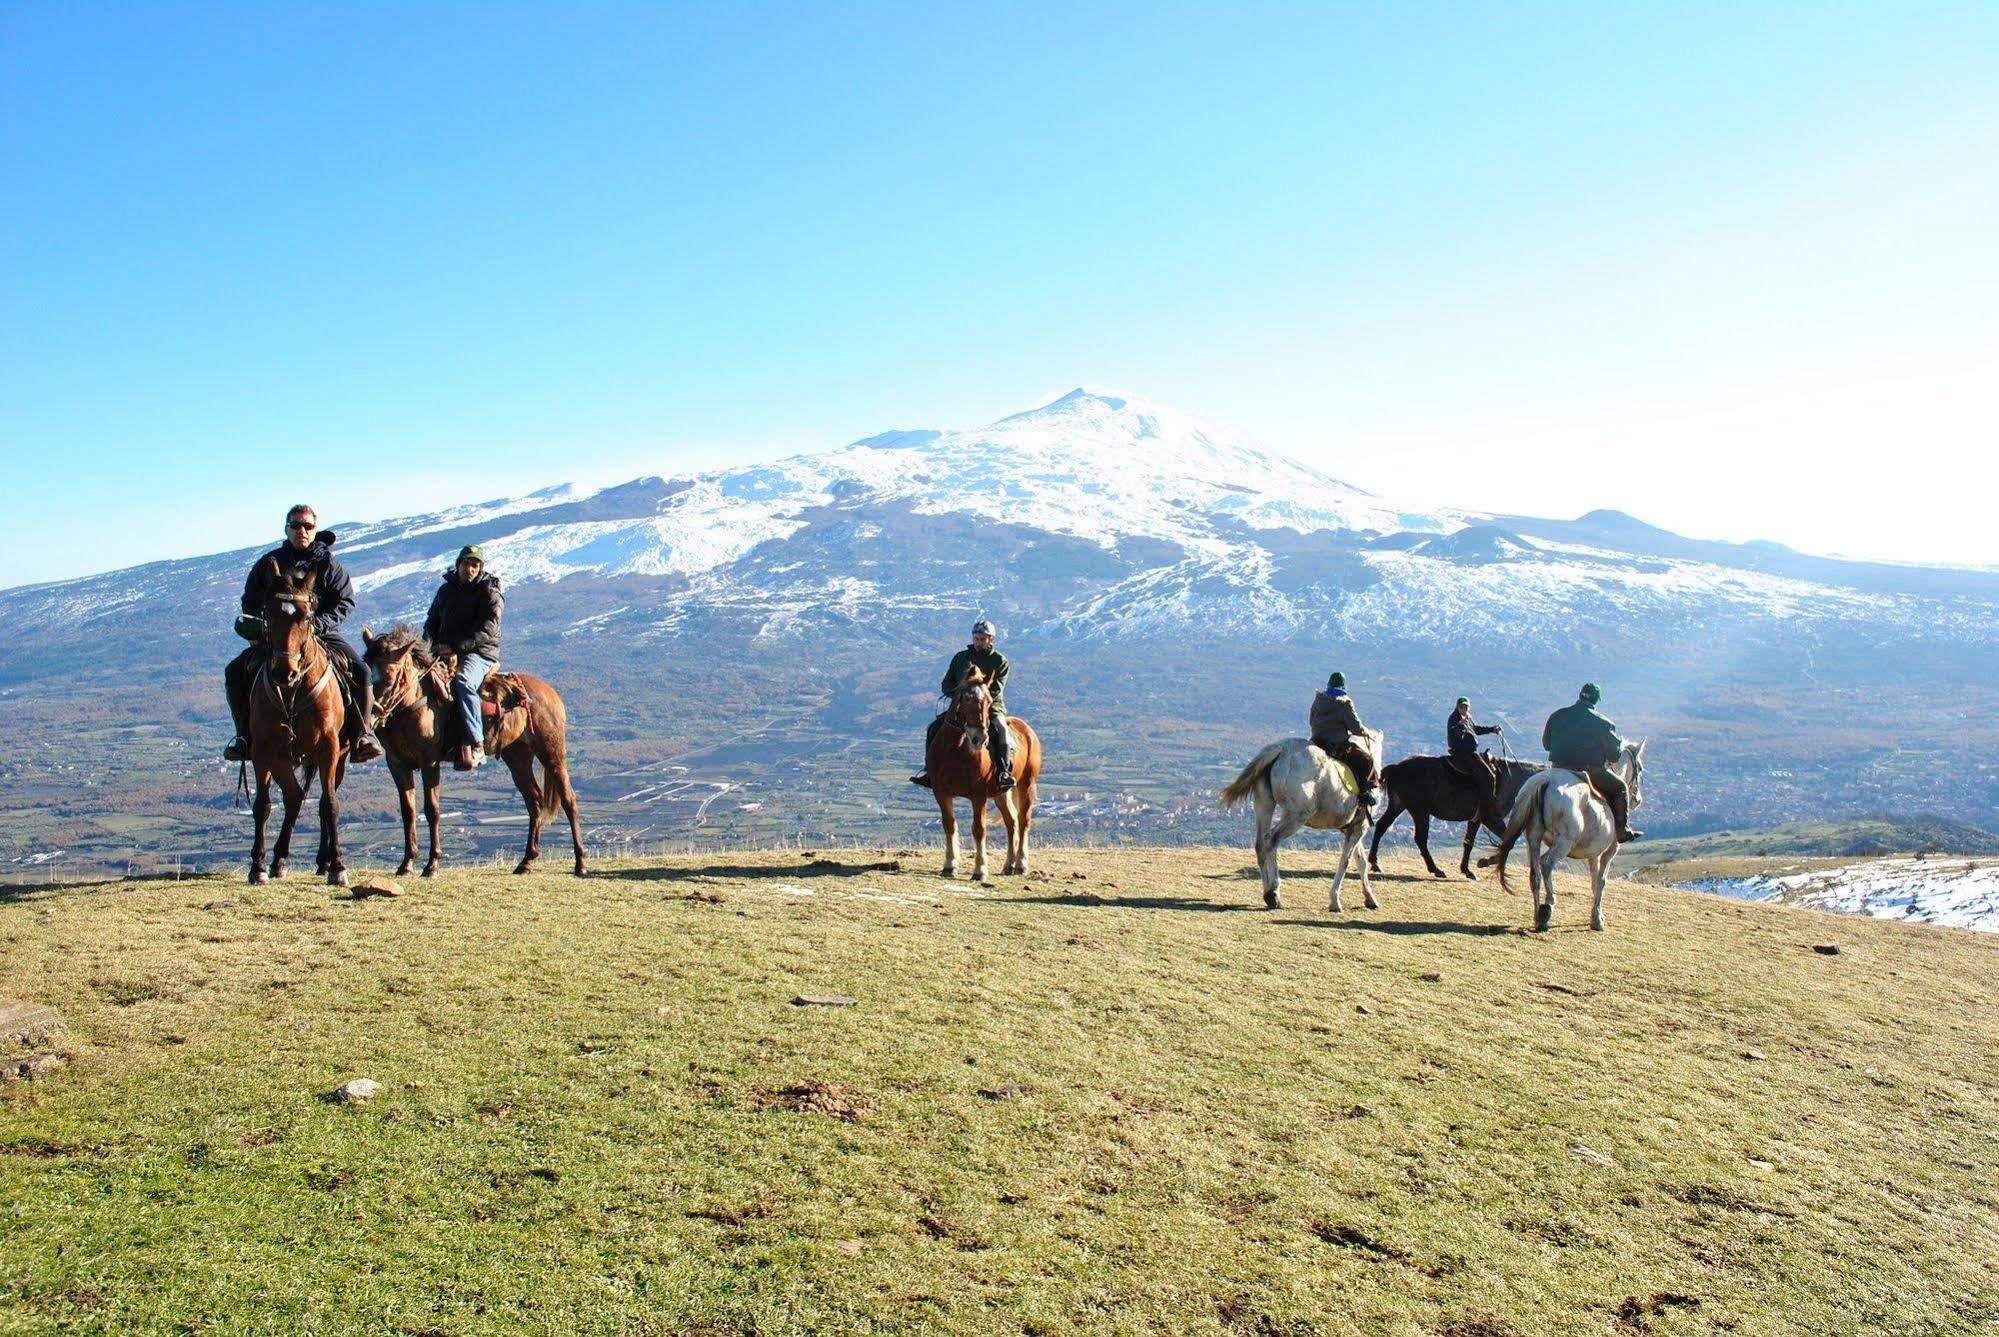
[1579, 739]
[984, 654]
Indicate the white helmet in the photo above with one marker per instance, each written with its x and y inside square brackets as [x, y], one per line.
[984, 627]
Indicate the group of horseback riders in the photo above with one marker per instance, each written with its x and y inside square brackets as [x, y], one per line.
[463, 623]
[1576, 737]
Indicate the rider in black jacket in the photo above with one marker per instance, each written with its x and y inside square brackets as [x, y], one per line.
[305, 549]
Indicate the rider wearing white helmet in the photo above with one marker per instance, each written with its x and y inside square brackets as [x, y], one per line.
[983, 654]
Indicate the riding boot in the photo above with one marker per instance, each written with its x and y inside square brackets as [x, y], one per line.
[922, 777]
[1002, 750]
[365, 746]
[239, 714]
[1620, 813]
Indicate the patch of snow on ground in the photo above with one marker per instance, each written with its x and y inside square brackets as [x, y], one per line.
[1956, 892]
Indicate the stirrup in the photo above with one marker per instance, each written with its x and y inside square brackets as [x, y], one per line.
[1006, 782]
[920, 779]
[238, 749]
[1628, 834]
[366, 748]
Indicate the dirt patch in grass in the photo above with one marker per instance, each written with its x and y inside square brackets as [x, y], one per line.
[829, 1099]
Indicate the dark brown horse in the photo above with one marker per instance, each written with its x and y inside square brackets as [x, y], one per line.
[960, 766]
[298, 729]
[1431, 787]
[526, 724]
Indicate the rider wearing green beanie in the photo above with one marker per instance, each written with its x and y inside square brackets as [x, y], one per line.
[1579, 739]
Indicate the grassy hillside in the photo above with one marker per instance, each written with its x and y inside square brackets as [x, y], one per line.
[1109, 1098]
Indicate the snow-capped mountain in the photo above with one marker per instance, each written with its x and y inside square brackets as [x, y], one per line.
[1169, 592]
[1097, 514]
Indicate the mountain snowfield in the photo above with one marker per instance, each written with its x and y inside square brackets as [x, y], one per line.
[1195, 530]
[1933, 890]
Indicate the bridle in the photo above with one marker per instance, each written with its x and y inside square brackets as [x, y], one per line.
[972, 694]
[286, 695]
[407, 683]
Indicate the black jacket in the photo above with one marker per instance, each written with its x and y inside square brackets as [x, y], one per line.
[1463, 732]
[465, 616]
[332, 588]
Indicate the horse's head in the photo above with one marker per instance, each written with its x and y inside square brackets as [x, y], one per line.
[1632, 763]
[393, 661]
[288, 612]
[972, 707]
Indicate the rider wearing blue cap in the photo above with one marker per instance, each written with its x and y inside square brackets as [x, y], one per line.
[981, 653]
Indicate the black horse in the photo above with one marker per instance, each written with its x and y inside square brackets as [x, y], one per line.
[1427, 787]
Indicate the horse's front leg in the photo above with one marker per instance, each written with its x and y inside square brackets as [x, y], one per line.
[1471, 839]
[950, 815]
[329, 821]
[432, 781]
[294, 795]
[1600, 867]
[1389, 812]
[406, 802]
[260, 808]
[978, 840]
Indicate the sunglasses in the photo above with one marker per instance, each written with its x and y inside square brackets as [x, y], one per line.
[300, 524]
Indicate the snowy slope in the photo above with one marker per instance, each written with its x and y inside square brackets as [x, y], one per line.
[1098, 514]
[1955, 892]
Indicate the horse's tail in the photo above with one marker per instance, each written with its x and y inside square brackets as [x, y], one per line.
[1525, 807]
[1257, 772]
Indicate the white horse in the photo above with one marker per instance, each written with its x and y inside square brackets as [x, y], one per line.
[1562, 817]
[1312, 789]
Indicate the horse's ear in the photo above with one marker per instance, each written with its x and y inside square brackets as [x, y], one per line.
[367, 637]
[277, 572]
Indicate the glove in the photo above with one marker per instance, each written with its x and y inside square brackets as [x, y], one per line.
[251, 627]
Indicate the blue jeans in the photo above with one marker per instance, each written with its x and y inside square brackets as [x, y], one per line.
[472, 670]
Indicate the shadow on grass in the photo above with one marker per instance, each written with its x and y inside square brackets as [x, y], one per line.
[747, 872]
[1400, 928]
[1087, 901]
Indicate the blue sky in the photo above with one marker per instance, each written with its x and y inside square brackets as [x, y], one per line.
[1734, 268]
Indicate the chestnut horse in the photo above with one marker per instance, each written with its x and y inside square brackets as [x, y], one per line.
[961, 767]
[526, 723]
[298, 720]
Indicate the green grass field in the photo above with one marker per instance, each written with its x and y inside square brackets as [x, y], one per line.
[1112, 1097]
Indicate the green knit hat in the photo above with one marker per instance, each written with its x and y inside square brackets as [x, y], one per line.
[474, 551]
[1464, 700]
[1337, 680]
[1592, 693]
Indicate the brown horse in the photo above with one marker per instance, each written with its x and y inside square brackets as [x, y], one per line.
[961, 767]
[298, 727]
[527, 724]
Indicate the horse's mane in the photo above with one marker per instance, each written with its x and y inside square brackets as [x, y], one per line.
[396, 637]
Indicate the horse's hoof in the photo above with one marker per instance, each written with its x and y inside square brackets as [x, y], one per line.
[277, 871]
[1470, 876]
[1596, 926]
[581, 871]
[429, 870]
[337, 878]
[257, 878]
[403, 868]
[520, 867]
[1270, 901]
